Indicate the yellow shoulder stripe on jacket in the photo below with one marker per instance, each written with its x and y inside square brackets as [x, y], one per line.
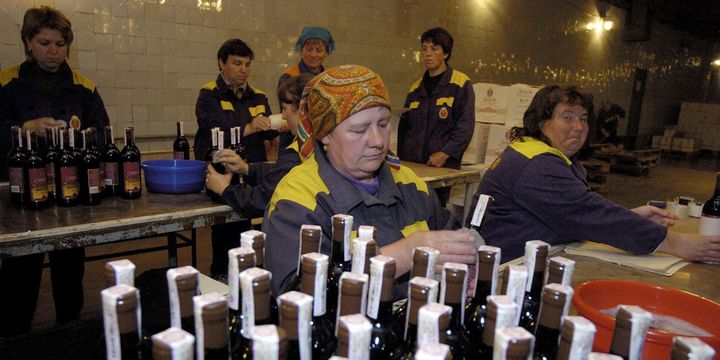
[415, 85]
[226, 105]
[294, 146]
[79, 79]
[445, 100]
[413, 228]
[8, 74]
[404, 175]
[414, 105]
[531, 147]
[301, 186]
[256, 90]
[257, 110]
[292, 71]
[459, 78]
[210, 85]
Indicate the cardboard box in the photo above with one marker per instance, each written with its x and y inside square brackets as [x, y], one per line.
[497, 141]
[491, 102]
[475, 153]
[519, 98]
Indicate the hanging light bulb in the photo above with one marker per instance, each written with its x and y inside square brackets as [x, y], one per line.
[716, 62]
[607, 25]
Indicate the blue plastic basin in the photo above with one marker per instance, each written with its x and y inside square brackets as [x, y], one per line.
[174, 176]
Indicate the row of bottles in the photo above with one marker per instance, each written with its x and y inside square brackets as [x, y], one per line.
[68, 174]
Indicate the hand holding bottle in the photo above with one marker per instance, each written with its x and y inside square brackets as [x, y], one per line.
[692, 246]
[215, 181]
[454, 246]
[40, 124]
[232, 161]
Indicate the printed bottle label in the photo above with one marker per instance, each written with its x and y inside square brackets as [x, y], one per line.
[111, 173]
[38, 184]
[93, 176]
[178, 155]
[131, 170]
[69, 182]
[50, 175]
[16, 180]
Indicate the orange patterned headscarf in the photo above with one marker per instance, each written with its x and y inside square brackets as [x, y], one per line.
[333, 96]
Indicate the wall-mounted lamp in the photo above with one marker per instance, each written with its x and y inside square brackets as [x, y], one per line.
[600, 24]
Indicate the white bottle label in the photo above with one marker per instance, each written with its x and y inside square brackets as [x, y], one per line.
[709, 225]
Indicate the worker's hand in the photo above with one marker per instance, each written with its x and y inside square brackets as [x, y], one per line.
[40, 124]
[437, 159]
[233, 162]
[657, 215]
[454, 246]
[258, 124]
[215, 181]
[692, 246]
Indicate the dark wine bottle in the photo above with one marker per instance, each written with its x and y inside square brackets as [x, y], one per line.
[354, 337]
[710, 218]
[690, 348]
[433, 351]
[211, 321]
[258, 306]
[363, 249]
[295, 319]
[385, 343]
[95, 149]
[66, 179]
[488, 262]
[239, 148]
[501, 313]
[119, 272]
[424, 260]
[576, 338]
[16, 162]
[514, 281]
[36, 190]
[340, 258]
[269, 342]
[536, 253]
[181, 147]
[314, 282]
[353, 295]
[173, 344]
[183, 285]
[74, 143]
[111, 161]
[421, 291]
[310, 240]
[121, 317]
[255, 240]
[453, 289]
[433, 322]
[89, 171]
[239, 260]
[513, 343]
[52, 154]
[560, 271]
[631, 325]
[130, 178]
[555, 304]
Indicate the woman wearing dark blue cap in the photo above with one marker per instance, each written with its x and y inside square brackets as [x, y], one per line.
[314, 45]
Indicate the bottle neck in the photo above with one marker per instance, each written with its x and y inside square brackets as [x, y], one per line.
[338, 251]
[180, 130]
[537, 284]
[456, 318]
[483, 289]
[385, 313]
[109, 136]
[717, 185]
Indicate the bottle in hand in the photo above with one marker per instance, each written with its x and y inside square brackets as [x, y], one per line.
[181, 147]
[130, 178]
[710, 218]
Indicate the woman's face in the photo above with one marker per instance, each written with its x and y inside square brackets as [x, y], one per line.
[290, 114]
[49, 49]
[314, 53]
[433, 57]
[567, 130]
[358, 146]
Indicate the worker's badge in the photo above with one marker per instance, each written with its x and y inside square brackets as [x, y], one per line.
[75, 122]
[443, 113]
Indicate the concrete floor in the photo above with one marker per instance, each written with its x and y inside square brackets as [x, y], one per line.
[674, 177]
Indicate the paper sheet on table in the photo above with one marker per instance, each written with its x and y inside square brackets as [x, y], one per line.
[655, 263]
[208, 285]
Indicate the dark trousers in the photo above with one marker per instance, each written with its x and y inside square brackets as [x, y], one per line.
[225, 237]
[20, 285]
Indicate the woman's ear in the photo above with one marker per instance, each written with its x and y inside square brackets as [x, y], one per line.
[326, 140]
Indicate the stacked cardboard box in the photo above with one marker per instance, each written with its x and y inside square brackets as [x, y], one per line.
[703, 122]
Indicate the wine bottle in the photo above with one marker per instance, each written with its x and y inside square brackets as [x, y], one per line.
[310, 240]
[362, 250]
[488, 262]
[130, 179]
[239, 148]
[269, 342]
[66, 179]
[536, 253]
[217, 137]
[16, 162]
[710, 218]
[95, 149]
[258, 306]
[690, 348]
[173, 344]
[555, 304]
[560, 271]
[73, 143]
[295, 319]
[424, 260]
[314, 282]
[340, 258]
[120, 272]
[52, 154]
[36, 190]
[453, 289]
[433, 322]
[181, 147]
[576, 338]
[481, 209]
[514, 281]
[255, 240]
[121, 320]
[422, 291]
[354, 337]
[433, 351]
[631, 325]
[385, 342]
[352, 297]
[239, 260]
[89, 170]
[210, 311]
[501, 314]
[513, 343]
[183, 285]
[111, 159]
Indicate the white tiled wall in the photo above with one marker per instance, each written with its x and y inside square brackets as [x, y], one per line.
[150, 57]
